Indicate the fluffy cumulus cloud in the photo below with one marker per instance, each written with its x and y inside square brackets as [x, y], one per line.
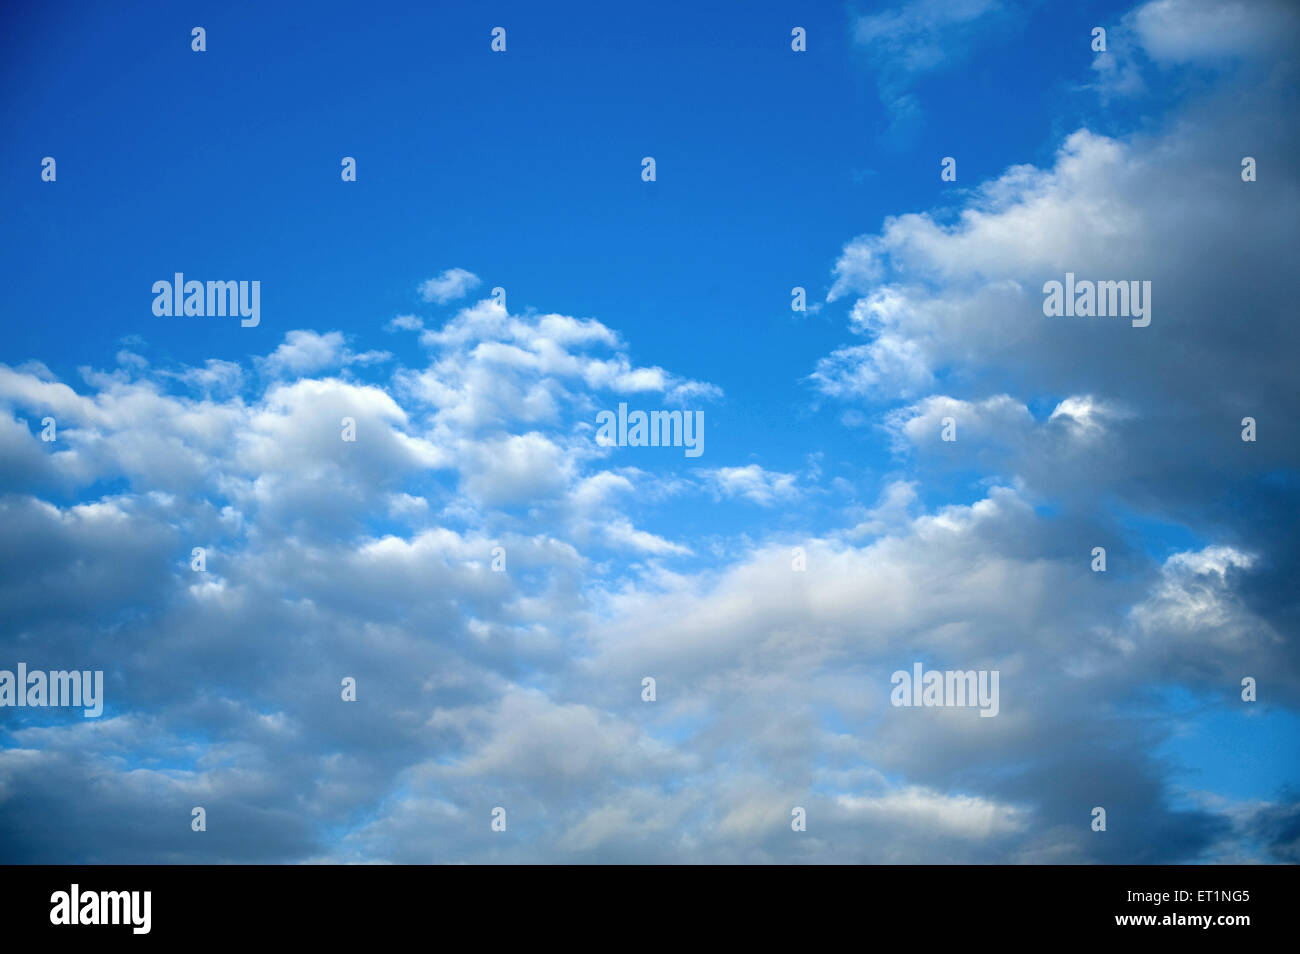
[508, 593]
[1099, 431]
[349, 528]
[941, 308]
[522, 688]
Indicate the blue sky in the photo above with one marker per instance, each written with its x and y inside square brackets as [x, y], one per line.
[775, 169]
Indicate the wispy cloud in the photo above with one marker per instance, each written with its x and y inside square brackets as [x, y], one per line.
[452, 284]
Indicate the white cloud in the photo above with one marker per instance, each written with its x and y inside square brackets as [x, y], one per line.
[753, 483]
[405, 323]
[1179, 31]
[516, 469]
[622, 535]
[308, 352]
[961, 815]
[452, 284]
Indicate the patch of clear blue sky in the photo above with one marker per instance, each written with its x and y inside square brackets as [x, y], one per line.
[1219, 743]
